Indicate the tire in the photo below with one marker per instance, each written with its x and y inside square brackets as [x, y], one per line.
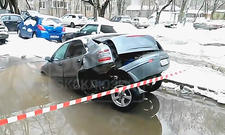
[19, 33]
[34, 35]
[152, 87]
[72, 25]
[2, 41]
[125, 100]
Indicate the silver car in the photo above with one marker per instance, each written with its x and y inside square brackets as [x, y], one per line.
[101, 62]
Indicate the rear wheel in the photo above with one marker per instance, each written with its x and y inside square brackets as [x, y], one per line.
[152, 87]
[124, 100]
[34, 35]
[72, 25]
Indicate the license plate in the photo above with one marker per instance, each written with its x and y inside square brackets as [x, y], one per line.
[164, 62]
[54, 36]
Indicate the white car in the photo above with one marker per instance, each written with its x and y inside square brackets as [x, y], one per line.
[141, 22]
[74, 20]
[3, 33]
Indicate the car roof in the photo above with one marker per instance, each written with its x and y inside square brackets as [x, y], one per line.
[75, 14]
[46, 16]
[10, 14]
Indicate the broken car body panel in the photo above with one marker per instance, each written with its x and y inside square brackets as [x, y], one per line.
[138, 55]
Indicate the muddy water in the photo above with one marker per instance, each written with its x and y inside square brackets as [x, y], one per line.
[23, 88]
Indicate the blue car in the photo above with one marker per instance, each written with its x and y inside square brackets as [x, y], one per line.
[42, 26]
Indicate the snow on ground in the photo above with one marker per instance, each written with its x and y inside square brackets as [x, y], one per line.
[30, 48]
[187, 40]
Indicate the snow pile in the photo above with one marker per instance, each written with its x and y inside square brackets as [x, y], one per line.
[204, 44]
[29, 48]
[199, 77]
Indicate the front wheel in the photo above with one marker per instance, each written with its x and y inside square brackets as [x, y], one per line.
[19, 33]
[72, 25]
[152, 87]
[124, 100]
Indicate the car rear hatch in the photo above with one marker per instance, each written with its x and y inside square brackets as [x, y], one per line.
[53, 25]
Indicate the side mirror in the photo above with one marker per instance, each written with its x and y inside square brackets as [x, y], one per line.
[93, 33]
[48, 59]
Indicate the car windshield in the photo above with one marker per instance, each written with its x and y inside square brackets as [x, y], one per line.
[89, 29]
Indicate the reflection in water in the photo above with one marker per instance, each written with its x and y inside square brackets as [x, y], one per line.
[185, 117]
[96, 118]
[22, 87]
[90, 119]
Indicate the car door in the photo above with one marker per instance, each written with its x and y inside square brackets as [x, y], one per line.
[14, 21]
[54, 68]
[6, 21]
[73, 61]
[65, 20]
[28, 28]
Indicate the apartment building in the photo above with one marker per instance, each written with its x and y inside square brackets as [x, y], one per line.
[61, 7]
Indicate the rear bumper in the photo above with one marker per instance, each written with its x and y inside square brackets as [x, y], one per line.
[3, 35]
[50, 36]
[147, 66]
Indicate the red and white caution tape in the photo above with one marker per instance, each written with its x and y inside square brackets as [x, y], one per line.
[84, 99]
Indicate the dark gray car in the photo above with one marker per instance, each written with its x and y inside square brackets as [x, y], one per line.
[102, 62]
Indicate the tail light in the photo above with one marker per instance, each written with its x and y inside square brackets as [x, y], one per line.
[40, 27]
[63, 29]
[104, 59]
[104, 55]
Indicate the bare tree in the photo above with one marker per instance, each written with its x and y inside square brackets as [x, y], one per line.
[181, 14]
[158, 12]
[4, 4]
[101, 8]
[216, 5]
[142, 4]
[28, 5]
[120, 6]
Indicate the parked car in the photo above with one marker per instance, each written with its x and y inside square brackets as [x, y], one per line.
[74, 20]
[202, 23]
[90, 29]
[42, 26]
[101, 62]
[4, 11]
[99, 27]
[3, 33]
[29, 13]
[123, 19]
[11, 21]
[141, 22]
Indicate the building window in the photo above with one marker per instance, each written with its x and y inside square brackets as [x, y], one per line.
[88, 8]
[59, 4]
[42, 5]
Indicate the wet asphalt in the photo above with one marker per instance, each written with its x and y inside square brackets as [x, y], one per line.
[23, 89]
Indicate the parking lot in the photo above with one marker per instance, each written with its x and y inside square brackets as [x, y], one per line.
[24, 89]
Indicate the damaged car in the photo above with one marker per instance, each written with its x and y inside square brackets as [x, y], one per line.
[98, 63]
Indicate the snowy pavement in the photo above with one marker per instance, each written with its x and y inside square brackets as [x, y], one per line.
[199, 44]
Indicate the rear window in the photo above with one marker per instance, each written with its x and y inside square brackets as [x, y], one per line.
[51, 21]
[136, 42]
[107, 29]
[15, 18]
